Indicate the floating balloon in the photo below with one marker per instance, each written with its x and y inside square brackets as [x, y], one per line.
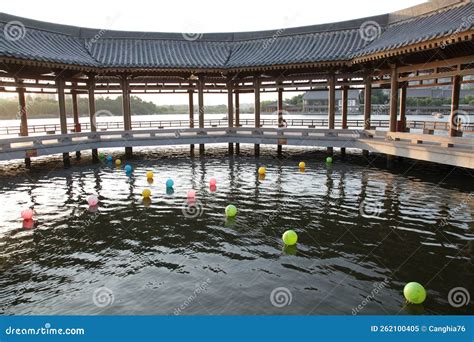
[290, 237]
[28, 224]
[414, 293]
[231, 210]
[27, 214]
[101, 155]
[262, 170]
[92, 200]
[128, 168]
[191, 194]
[302, 165]
[169, 183]
[212, 182]
[149, 174]
[146, 193]
[329, 160]
[118, 162]
[109, 159]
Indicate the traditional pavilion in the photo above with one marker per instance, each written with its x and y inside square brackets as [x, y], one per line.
[423, 46]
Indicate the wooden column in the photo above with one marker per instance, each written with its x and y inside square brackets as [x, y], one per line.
[230, 112]
[127, 116]
[403, 107]
[191, 112]
[23, 117]
[280, 112]
[237, 117]
[331, 105]
[367, 105]
[201, 109]
[393, 106]
[257, 110]
[75, 114]
[344, 98]
[454, 117]
[92, 111]
[62, 114]
[393, 99]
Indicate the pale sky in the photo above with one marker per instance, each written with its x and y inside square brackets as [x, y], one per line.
[199, 16]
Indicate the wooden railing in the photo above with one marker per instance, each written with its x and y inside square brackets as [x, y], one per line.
[162, 124]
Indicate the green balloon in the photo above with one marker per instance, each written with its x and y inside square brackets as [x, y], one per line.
[230, 210]
[414, 293]
[290, 238]
[101, 155]
[329, 160]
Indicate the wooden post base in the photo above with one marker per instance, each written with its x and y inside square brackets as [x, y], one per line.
[257, 150]
[237, 148]
[66, 160]
[231, 148]
[365, 153]
[390, 160]
[330, 151]
[279, 150]
[95, 155]
[343, 152]
[78, 155]
[201, 148]
[128, 153]
[28, 163]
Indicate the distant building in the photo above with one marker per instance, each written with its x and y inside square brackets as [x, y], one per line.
[317, 101]
[272, 107]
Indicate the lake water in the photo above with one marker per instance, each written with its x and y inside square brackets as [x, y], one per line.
[363, 231]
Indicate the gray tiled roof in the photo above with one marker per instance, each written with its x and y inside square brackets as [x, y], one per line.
[320, 43]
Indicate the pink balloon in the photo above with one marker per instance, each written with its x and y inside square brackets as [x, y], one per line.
[191, 193]
[28, 224]
[213, 188]
[27, 214]
[212, 182]
[93, 200]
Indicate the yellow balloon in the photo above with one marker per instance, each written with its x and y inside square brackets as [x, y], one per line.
[302, 165]
[262, 170]
[118, 162]
[149, 174]
[146, 193]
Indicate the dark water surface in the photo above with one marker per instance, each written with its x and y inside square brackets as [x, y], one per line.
[363, 231]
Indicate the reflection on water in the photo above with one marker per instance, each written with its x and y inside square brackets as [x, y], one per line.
[359, 228]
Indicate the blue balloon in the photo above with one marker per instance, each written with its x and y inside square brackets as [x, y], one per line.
[109, 158]
[128, 168]
[169, 183]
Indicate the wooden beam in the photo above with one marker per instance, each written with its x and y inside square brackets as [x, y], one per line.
[280, 113]
[201, 108]
[92, 112]
[331, 105]
[230, 111]
[23, 111]
[367, 100]
[403, 107]
[393, 99]
[344, 98]
[62, 114]
[126, 110]
[237, 116]
[455, 118]
[257, 110]
[191, 113]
